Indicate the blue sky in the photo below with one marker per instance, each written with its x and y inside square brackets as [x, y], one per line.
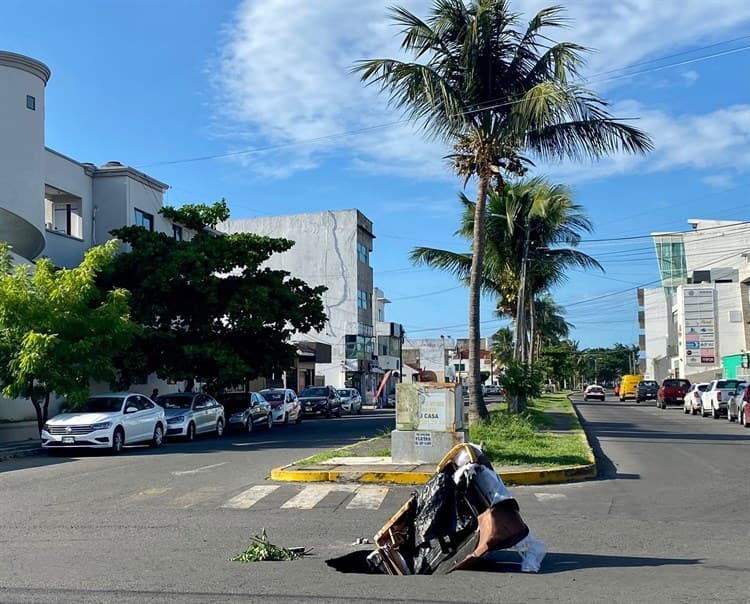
[253, 101]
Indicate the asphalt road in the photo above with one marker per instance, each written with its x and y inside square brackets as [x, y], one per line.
[665, 522]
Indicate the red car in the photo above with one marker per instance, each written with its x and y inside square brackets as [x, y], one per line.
[672, 392]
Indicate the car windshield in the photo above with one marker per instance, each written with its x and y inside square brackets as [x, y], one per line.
[175, 402]
[648, 383]
[273, 395]
[727, 384]
[345, 392]
[315, 392]
[103, 404]
[675, 383]
[236, 402]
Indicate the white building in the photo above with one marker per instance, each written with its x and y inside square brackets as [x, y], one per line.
[332, 249]
[53, 205]
[702, 311]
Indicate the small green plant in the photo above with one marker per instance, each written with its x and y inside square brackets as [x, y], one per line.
[260, 550]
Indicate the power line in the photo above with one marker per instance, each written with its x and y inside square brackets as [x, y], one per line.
[499, 105]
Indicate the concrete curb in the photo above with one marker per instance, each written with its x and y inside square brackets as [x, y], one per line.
[291, 473]
[524, 477]
[20, 452]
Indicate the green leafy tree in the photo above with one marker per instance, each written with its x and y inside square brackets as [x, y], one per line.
[208, 307]
[495, 91]
[58, 330]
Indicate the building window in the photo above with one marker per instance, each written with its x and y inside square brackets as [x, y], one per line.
[144, 220]
[362, 253]
[30, 102]
[62, 213]
[177, 232]
[362, 299]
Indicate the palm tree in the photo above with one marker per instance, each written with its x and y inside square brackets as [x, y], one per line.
[494, 92]
[530, 219]
[549, 327]
[502, 345]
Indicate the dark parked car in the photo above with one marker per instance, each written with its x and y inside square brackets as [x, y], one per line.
[320, 400]
[646, 390]
[246, 411]
[672, 392]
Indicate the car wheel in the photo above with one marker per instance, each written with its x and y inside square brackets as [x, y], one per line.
[714, 413]
[338, 411]
[158, 437]
[220, 428]
[299, 417]
[685, 410]
[269, 421]
[730, 417]
[118, 441]
[250, 426]
[328, 410]
[359, 409]
[743, 420]
[190, 435]
[285, 421]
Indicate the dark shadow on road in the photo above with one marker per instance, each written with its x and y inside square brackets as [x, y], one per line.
[37, 459]
[509, 561]
[606, 469]
[560, 562]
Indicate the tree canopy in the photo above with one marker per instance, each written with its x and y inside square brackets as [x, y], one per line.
[208, 307]
[58, 330]
[495, 91]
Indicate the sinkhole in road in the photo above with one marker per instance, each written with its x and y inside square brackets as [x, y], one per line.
[354, 562]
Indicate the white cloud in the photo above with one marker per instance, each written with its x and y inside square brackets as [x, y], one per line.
[690, 76]
[283, 80]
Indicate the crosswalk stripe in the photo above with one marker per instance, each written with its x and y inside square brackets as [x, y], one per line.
[191, 498]
[368, 497]
[311, 495]
[250, 497]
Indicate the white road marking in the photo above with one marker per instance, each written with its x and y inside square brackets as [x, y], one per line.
[368, 498]
[311, 495]
[550, 496]
[202, 469]
[250, 497]
[191, 498]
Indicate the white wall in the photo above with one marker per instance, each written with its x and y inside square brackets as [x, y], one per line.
[22, 153]
[324, 253]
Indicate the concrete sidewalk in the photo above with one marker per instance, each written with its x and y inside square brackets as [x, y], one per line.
[19, 438]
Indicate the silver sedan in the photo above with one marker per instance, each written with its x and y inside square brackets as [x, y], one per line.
[191, 413]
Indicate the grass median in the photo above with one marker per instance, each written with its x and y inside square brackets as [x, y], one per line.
[546, 435]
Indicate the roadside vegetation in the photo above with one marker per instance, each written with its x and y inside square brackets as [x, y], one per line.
[529, 438]
[547, 434]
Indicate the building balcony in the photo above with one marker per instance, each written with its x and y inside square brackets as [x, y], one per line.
[25, 239]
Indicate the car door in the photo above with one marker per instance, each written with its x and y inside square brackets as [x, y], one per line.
[149, 413]
[257, 409]
[133, 419]
[292, 406]
[200, 413]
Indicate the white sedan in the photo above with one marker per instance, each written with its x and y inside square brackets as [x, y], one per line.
[107, 421]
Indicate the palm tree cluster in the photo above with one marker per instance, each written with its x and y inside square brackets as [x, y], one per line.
[499, 93]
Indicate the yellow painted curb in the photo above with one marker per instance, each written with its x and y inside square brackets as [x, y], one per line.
[524, 477]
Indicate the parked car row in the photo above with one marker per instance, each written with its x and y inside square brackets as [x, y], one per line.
[113, 420]
[728, 398]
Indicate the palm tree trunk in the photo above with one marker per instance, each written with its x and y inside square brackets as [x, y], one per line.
[520, 335]
[477, 409]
